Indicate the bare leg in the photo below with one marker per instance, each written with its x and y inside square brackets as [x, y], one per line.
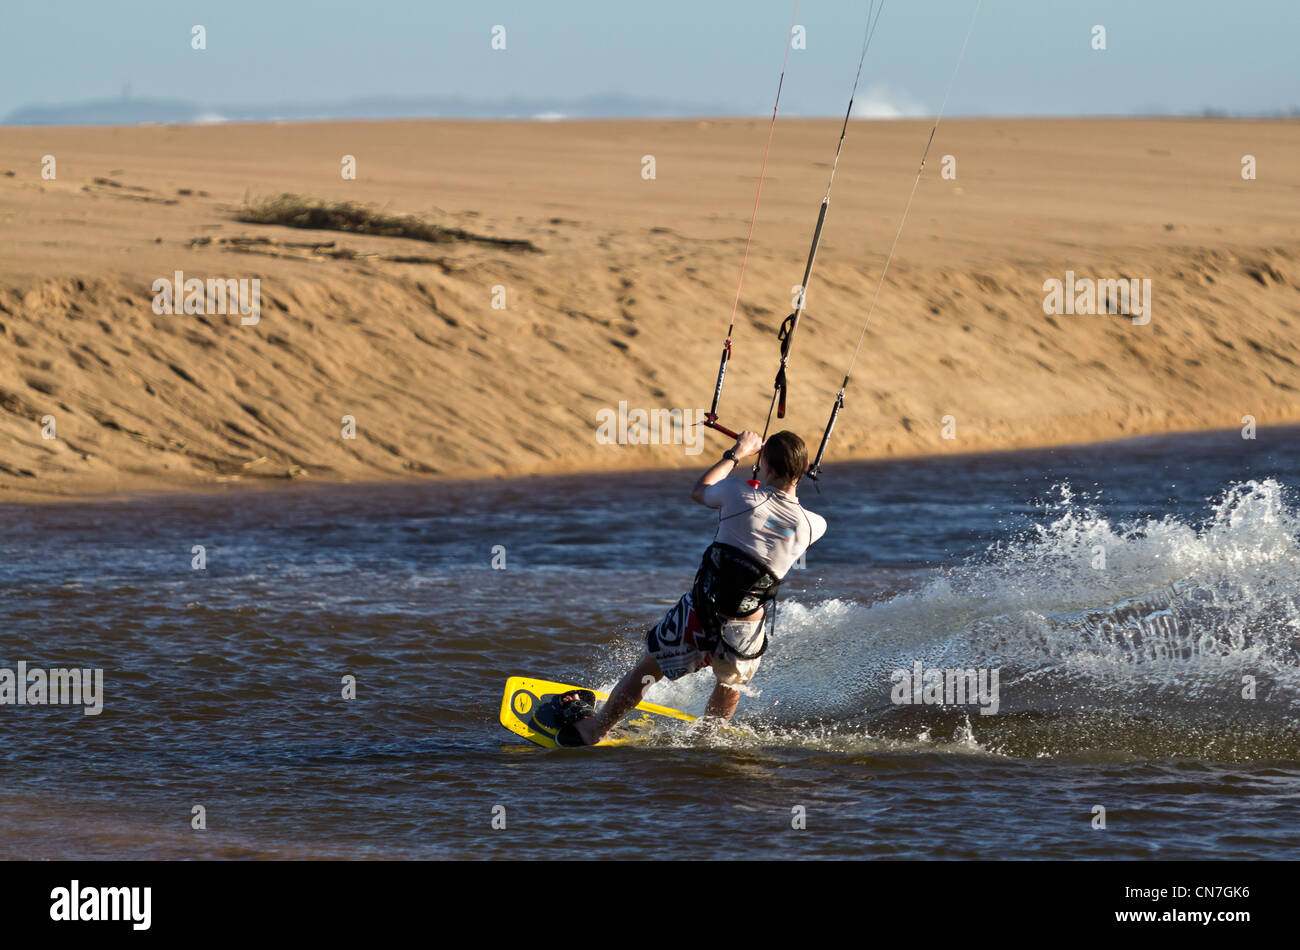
[629, 691]
[723, 702]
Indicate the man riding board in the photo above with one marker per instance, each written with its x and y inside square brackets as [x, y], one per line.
[718, 623]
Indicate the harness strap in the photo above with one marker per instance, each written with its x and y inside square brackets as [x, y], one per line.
[732, 576]
[767, 636]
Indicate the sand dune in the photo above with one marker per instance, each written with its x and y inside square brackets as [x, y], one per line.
[628, 293]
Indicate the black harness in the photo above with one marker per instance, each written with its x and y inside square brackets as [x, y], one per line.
[731, 583]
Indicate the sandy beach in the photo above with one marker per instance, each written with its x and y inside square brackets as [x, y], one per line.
[625, 294]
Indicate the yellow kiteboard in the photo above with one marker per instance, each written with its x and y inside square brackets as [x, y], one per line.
[524, 696]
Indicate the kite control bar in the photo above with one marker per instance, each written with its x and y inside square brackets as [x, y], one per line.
[712, 424]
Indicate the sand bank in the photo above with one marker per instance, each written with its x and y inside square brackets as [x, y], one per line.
[627, 295]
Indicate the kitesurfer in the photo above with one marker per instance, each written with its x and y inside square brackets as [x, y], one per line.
[718, 623]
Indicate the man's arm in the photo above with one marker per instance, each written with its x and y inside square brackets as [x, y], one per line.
[748, 444]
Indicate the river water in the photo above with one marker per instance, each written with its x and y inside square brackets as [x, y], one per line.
[1139, 602]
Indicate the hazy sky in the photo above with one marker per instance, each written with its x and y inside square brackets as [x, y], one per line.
[1024, 57]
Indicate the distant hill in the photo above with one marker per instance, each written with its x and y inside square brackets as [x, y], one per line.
[132, 111]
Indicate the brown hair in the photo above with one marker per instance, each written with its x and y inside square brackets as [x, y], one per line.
[786, 456]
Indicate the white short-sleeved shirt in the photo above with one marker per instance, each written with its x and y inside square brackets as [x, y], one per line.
[763, 522]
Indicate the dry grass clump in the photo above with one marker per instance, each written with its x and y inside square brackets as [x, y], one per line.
[297, 211]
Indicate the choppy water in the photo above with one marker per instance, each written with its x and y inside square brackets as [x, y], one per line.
[1121, 684]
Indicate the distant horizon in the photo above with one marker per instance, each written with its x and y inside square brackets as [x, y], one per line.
[128, 111]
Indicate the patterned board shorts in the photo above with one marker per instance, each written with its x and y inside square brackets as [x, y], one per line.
[678, 644]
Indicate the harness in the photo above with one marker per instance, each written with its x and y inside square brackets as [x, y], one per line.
[731, 583]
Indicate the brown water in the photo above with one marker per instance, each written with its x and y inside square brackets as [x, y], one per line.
[1120, 686]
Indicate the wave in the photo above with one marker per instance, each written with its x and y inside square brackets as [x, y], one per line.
[1151, 638]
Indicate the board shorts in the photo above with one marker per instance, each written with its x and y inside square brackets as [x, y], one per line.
[680, 645]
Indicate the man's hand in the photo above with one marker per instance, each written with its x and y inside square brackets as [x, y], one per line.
[748, 444]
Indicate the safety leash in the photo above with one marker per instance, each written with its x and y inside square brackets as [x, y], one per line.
[785, 334]
[711, 417]
[815, 468]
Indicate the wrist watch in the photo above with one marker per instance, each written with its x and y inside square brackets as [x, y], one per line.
[731, 454]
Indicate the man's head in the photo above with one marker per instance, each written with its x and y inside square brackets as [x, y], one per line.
[785, 456]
